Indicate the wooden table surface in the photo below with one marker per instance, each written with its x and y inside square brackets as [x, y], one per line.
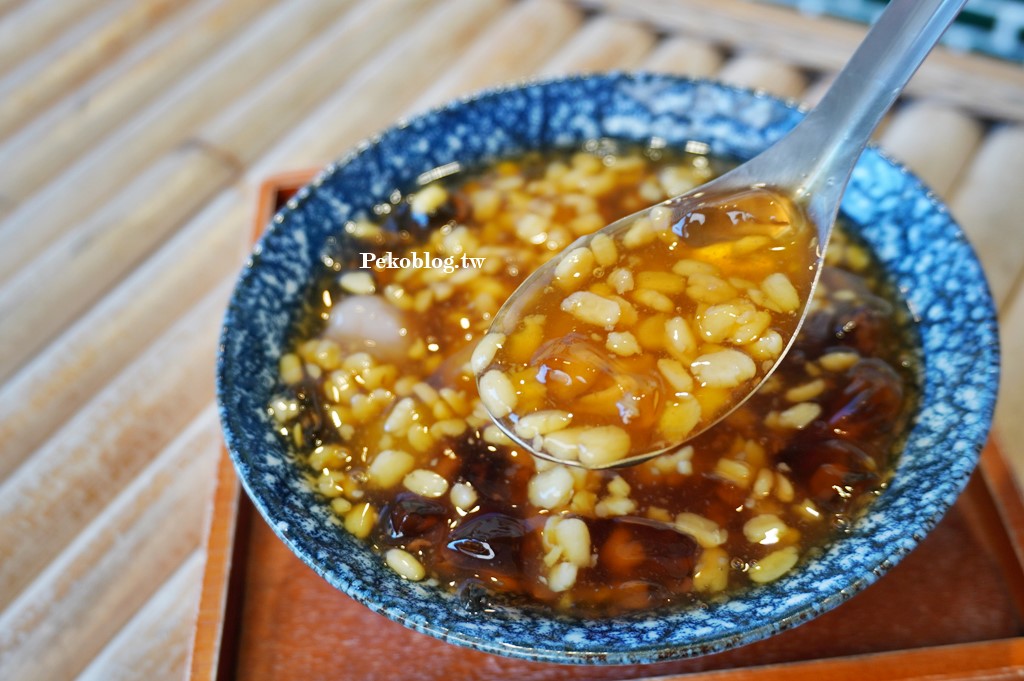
[133, 136]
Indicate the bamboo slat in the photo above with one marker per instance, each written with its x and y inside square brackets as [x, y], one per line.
[760, 73]
[47, 145]
[165, 622]
[984, 86]
[106, 445]
[111, 165]
[72, 67]
[602, 43]
[103, 12]
[249, 127]
[989, 204]
[372, 97]
[27, 28]
[115, 563]
[1008, 422]
[935, 141]
[817, 90]
[326, 134]
[686, 57]
[55, 384]
[499, 55]
[9, 5]
[74, 272]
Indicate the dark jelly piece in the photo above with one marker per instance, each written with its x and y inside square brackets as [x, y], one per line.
[641, 549]
[833, 473]
[489, 541]
[493, 474]
[409, 517]
[871, 402]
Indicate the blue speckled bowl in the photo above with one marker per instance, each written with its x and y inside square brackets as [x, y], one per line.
[910, 230]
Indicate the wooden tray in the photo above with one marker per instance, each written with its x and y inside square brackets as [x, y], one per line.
[953, 609]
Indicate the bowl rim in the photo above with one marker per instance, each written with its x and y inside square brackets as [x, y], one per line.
[645, 653]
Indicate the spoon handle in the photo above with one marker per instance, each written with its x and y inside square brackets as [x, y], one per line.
[835, 132]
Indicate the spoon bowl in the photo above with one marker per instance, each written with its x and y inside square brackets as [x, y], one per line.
[787, 197]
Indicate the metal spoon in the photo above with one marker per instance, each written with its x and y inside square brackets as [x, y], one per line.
[803, 175]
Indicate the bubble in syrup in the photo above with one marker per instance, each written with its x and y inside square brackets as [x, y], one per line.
[841, 523]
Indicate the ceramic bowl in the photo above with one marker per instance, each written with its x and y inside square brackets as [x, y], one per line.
[910, 230]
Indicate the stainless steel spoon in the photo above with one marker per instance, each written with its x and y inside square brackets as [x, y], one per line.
[811, 165]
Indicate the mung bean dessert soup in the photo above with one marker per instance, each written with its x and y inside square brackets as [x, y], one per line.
[636, 341]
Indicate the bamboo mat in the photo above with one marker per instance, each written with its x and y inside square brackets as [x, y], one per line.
[133, 134]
